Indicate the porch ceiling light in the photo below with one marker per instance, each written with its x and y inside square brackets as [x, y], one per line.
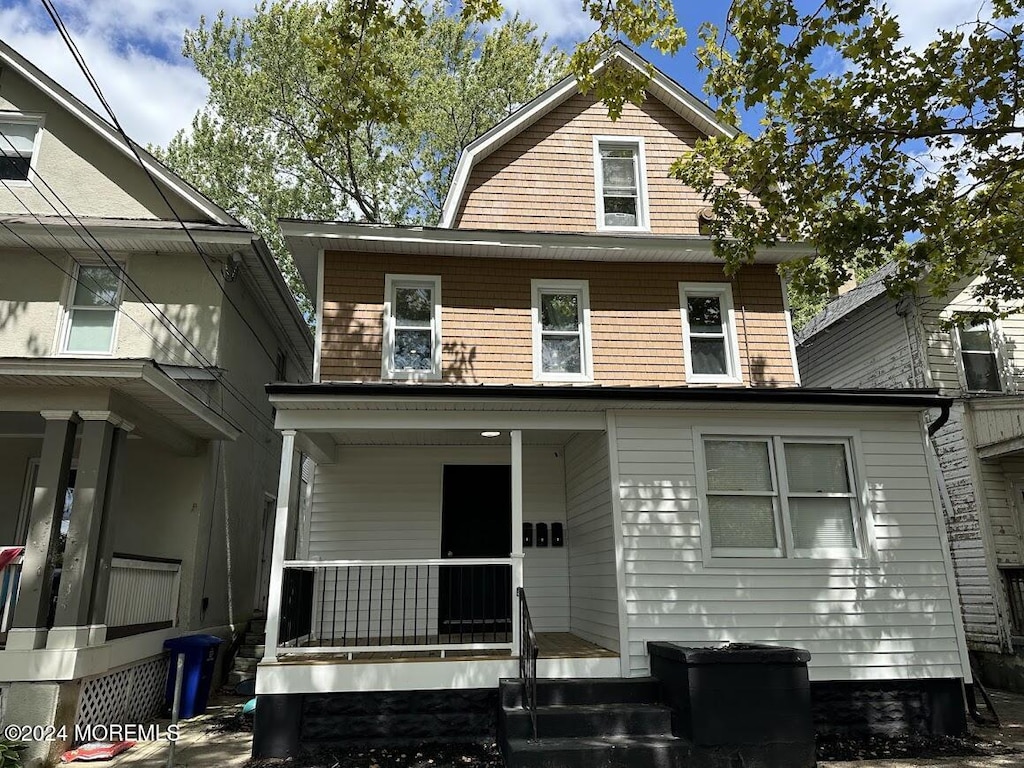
[490, 433]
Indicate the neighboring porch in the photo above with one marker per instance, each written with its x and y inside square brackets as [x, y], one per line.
[97, 466]
[411, 546]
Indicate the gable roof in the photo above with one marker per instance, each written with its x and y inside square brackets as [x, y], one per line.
[661, 86]
[88, 117]
[846, 303]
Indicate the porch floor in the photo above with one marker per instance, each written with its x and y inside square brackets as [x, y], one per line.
[552, 645]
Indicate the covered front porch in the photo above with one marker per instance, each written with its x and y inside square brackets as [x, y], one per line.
[412, 553]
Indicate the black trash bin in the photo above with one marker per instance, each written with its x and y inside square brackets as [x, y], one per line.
[200, 652]
[740, 695]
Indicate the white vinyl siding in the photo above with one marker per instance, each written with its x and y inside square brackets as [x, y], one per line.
[382, 502]
[594, 604]
[869, 348]
[891, 617]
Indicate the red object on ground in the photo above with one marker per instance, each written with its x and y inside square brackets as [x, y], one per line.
[8, 554]
[96, 751]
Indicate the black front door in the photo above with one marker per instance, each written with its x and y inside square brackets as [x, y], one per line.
[476, 521]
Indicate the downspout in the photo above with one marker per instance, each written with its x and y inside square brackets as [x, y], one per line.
[943, 417]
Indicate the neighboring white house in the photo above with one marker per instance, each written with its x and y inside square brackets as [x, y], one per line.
[866, 338]
[560, 392]
[137, 449]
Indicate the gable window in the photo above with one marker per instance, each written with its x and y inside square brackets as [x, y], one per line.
[978, 356]
[92, 310]
[710, 347]
[412, 327]
[770, 496]
[561, 331]
[17, 147]
[620, 183]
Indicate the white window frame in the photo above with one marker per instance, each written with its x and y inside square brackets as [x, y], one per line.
[723, 291]
[391, 284]
[643, 212]
[30, 118]
[582, 290]
[790, 556]
[994, 338]
[69, 308]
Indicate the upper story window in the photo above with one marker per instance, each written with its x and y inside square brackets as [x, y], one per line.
[91, 323]
[978, 355]
[620, 183]
[18, 137]
[710, 346]
[412, 327]
[561, 331]
[782, 497]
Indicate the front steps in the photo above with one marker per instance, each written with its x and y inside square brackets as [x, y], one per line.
[250, 652]
[590, 723]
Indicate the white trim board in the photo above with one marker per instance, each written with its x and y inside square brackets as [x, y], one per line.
[415, 675]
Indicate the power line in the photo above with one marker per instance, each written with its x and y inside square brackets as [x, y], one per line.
[80, 61]
[146, 300]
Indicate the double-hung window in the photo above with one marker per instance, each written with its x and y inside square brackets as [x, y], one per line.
[710, 346]
[561, 331]
[978, 355]
[781, 497]
[92, 310]
[620, 183]
[412, 327]
[17, 146]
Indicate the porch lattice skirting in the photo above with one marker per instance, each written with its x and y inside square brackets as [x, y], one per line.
[133, 694]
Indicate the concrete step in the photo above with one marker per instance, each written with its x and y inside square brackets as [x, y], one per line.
[597, 752]
[243, 664]
[258, 625]
[589, 720]
[251, 651]
[595, 690]
[254, 638]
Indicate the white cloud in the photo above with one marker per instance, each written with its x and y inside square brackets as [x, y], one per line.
[564, 21]
[921, 19]
[133, 50]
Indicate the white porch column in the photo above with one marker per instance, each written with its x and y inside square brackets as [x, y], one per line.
[517, 532]
[284, 497]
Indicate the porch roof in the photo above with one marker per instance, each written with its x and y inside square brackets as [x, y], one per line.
[333, 395]
[142, 388]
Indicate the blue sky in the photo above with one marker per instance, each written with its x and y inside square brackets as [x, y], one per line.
[134, 46]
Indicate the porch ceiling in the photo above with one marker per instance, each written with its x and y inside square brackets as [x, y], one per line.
[138, 389]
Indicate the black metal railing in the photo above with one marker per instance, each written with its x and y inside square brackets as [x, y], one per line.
[1013, 579]
[528, 652]
[378, 605]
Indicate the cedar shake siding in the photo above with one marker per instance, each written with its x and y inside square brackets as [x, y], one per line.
[543, 178]
[487, 332]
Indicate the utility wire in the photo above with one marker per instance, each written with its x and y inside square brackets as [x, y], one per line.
[115, 268]
[80, 61]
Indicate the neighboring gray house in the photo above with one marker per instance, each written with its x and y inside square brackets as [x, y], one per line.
[137, 449]
[866, 338]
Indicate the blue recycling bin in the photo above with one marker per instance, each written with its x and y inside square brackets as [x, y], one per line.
[200, 652]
